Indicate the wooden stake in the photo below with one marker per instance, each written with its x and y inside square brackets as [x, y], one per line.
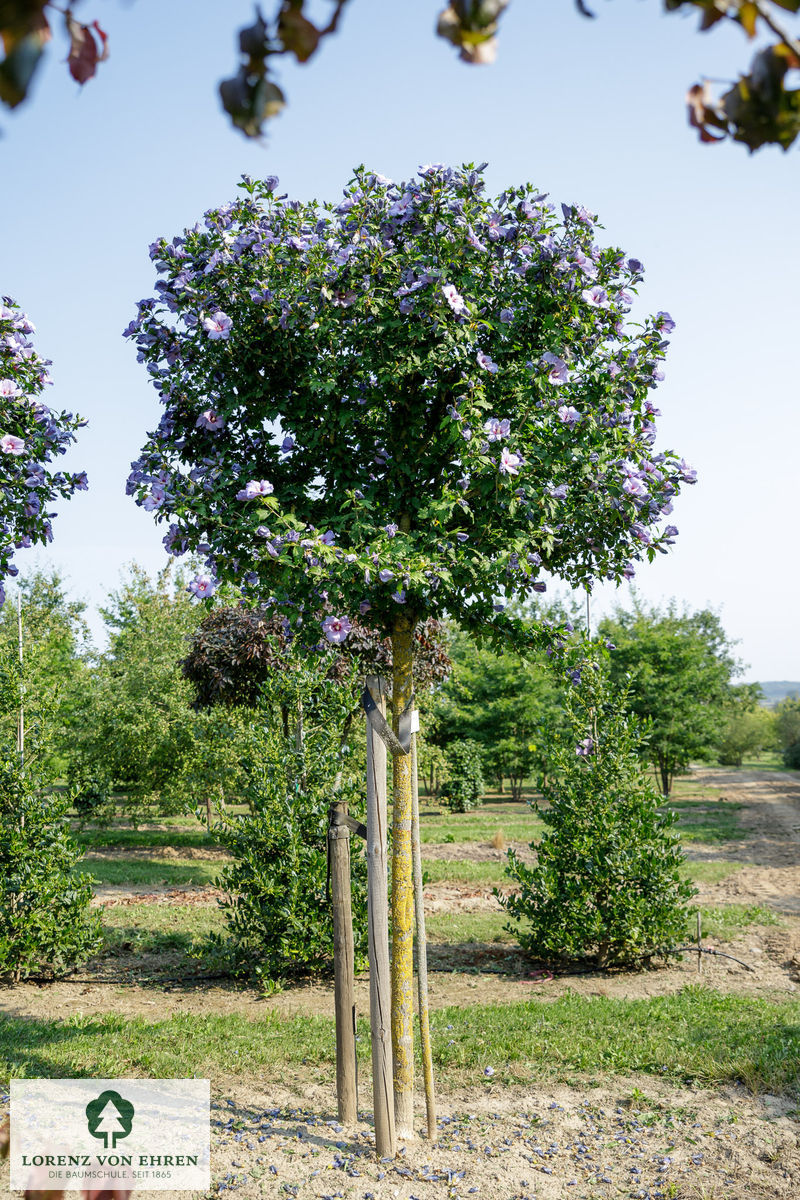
[402, 892]
[343, 966]
[21, 723]
[378, 907]
[422, 949]
[699, 947]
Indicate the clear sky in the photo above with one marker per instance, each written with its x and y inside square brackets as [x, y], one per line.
[590, 111]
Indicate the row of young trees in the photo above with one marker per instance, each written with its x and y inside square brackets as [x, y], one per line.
[135, 718]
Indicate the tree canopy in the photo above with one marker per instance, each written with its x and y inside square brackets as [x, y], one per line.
[403, 404]
[31, 437]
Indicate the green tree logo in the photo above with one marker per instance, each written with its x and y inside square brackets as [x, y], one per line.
[110, 1117]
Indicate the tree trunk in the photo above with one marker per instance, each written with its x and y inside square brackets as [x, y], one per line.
[402, 892]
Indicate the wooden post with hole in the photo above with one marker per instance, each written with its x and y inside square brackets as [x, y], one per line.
[379, 976]
[343, 965]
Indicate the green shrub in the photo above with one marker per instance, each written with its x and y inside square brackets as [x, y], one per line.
[607, 883]
[791, 756]
[45, 924]
[464, 786]
[278, 912]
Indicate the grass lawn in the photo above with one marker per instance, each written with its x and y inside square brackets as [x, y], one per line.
[696, 1035]
[158, 928]
[453, 870]
[147, 872]
[517, 822]
[712, 872]
[706, 821]
[143, 839]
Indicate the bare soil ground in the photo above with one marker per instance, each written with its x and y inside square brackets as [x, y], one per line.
[637, 1138]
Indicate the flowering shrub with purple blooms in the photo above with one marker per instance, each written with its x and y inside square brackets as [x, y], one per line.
[404, 403]
[31, 436]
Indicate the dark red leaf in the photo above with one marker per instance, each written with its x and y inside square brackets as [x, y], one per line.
[83, 55]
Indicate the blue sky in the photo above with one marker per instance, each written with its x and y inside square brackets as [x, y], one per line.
[590, 111]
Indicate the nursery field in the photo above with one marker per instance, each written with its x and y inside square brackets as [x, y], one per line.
[679, 1081]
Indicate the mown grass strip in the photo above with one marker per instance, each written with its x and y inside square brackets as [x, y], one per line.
[449, 928]
[144, 839]
[158, 928]
[454, 870]
[696, 1035]
[712, 872]
[707, 821]
[478, 827]
[149, 872]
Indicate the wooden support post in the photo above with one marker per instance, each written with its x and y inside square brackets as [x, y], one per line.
[402, 891]
[343, 965]
[379, 977]
[422, 946]
[699, 943]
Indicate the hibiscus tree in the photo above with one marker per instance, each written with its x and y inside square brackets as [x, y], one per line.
[423, 399]
[31, 436]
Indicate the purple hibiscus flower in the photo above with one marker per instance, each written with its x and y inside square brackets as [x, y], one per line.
[509, 462]
[558, 372]
[202, 586]
[497, 429]
[210, 419]
[336, 629]
[483, 360]
[568, 414]
[255, 488]
[217, 326]
[634, 486]
[10, 444]
[597, 297]
[585, 748]
[454, 299]
[665, 322]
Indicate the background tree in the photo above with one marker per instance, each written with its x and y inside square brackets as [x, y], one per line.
[758, 109]
[678, 669]
[404, 405]
[135, 728]
[45, 923]
[509, 704]
[55, 671]
[747, 731]
[787, 721]
[607, 882]
[31, 437]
